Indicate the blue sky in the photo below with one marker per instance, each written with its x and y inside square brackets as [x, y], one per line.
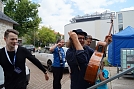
[57, 13]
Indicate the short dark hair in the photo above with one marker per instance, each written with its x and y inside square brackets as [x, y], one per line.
[58, 40]
[10, 31]
[88, 37]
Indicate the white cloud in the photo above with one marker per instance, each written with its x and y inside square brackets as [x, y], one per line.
[57, 13]
[90, 6]
[125, 9]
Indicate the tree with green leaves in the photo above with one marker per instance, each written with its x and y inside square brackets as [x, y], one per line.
[46, 35]
[23, 12]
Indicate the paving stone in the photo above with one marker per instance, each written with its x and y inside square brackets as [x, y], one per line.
[37, 78]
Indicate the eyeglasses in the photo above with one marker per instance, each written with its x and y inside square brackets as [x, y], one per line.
[81, 38]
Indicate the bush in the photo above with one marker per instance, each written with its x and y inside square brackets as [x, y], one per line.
[106, 62]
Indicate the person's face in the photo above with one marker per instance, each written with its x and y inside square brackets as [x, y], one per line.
[61, 43]
[81, 39]
[11, 40]
[88, 42]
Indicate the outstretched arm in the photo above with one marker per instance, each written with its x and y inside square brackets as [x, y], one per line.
[36, 62]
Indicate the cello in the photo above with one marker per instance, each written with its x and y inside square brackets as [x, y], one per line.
[97, 57]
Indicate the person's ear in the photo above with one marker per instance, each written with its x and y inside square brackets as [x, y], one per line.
[5, 38]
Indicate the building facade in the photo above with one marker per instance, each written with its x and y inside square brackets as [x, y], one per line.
[98, 25]
[5, 23]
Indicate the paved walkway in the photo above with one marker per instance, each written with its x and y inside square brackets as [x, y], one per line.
[37, 80]
[121, 83]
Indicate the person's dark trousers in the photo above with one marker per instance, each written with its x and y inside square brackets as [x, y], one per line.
[18, 87]
[57, 76]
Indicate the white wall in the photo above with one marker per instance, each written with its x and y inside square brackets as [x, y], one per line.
[1, 6]
[128, 18]
[3, 27]
[98, 28]
[85, 26]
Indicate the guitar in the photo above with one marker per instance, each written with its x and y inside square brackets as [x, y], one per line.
[97, 57]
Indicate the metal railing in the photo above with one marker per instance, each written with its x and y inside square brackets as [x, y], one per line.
[112, 78]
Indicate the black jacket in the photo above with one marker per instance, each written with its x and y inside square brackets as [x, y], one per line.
[12, 79]
[79, 58]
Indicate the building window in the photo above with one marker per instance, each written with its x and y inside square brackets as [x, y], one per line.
[120, 18]
[120, 27]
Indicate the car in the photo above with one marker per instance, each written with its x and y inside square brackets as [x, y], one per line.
[46, 57]
[2, 76]
[31, 48]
